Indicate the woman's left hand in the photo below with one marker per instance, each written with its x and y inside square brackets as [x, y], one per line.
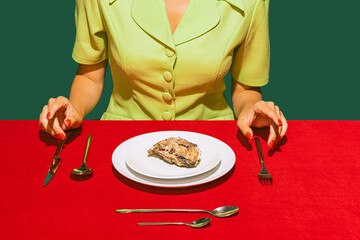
[261, 114]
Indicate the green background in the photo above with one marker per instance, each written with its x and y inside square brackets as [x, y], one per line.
[314, 58]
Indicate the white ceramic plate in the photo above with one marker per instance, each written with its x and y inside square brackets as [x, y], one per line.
[225, 165]
[139, 160]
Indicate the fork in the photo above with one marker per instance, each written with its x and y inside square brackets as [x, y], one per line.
[264, 176]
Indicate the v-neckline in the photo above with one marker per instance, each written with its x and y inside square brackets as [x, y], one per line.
[181, 19]
[199, 17]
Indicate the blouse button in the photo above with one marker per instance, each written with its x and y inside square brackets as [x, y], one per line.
[166, 115]
[169, 52]
[167, 96]
[167, 76]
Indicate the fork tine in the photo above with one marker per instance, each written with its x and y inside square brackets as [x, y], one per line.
[261, 181]
[269, 181]
[264, 176]
[265, 179]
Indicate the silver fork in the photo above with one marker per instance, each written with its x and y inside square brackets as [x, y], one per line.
[264, 176]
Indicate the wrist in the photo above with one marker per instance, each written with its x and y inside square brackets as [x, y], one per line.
[78, 109]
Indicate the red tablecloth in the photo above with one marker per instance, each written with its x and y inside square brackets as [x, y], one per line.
[315, 192]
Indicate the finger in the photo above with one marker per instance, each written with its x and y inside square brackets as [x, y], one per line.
[278, 113]
[56, 127]
[272, 136]
[43, 121]
[50, 102]
[244, 123]
[268, 109]
[46, 124]
[69, 118]
[285, 125]
[56, 105]
[245, 130]
[72, 118]
[51, 126]
[69, 121]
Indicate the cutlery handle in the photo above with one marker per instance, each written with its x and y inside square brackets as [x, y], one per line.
[258, 147]
[61, 144]
[162, 223]
[88, 142]
[157, 210]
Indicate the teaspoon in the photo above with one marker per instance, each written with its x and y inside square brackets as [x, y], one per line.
[225, 211]
[195, 224]
[84, 170]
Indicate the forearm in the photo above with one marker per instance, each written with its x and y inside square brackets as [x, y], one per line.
[243, 96]
[87, 87]
[85, 94]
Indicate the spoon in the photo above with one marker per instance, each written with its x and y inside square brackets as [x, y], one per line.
[218, 212]
[84, 170]
[195, 224]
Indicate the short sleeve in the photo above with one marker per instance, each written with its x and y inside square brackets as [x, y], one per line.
[251, 60]
[91, 39]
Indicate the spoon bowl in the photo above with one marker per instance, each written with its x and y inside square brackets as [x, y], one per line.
[225, 211]
[199, 223]
[84, 170]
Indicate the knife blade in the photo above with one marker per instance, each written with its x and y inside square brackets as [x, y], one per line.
[56, 161]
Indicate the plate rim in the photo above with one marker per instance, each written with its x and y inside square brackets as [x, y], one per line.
[220, 171]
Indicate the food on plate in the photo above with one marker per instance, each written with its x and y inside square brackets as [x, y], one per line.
[176, 150]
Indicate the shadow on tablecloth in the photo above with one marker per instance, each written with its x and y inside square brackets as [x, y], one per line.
[172, 191]
[52, 141]
[262, 133]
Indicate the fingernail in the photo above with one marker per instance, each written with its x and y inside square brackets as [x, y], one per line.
[61, 136]
[280, 122]
[57, 136]
[271, 144]
[48, 115]
[68, 122]
[248, 135]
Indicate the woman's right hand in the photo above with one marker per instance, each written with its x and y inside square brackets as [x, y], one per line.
[58, 116]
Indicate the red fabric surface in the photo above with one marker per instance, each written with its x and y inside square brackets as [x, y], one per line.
[315, 192]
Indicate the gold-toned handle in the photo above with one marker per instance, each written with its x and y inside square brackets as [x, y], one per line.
[258, 147]
[156, 210]
[162, 223]
[87, 149]
[61, 144]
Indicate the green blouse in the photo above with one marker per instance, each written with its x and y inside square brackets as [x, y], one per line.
[163, 76]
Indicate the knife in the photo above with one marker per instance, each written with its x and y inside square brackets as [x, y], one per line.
[55, 163]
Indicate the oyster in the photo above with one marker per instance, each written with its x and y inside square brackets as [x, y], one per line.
[176, 150]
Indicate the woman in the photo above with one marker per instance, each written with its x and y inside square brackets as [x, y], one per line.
[168, 60]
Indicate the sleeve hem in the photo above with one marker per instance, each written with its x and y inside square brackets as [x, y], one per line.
[253, 82]
[87, 61]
